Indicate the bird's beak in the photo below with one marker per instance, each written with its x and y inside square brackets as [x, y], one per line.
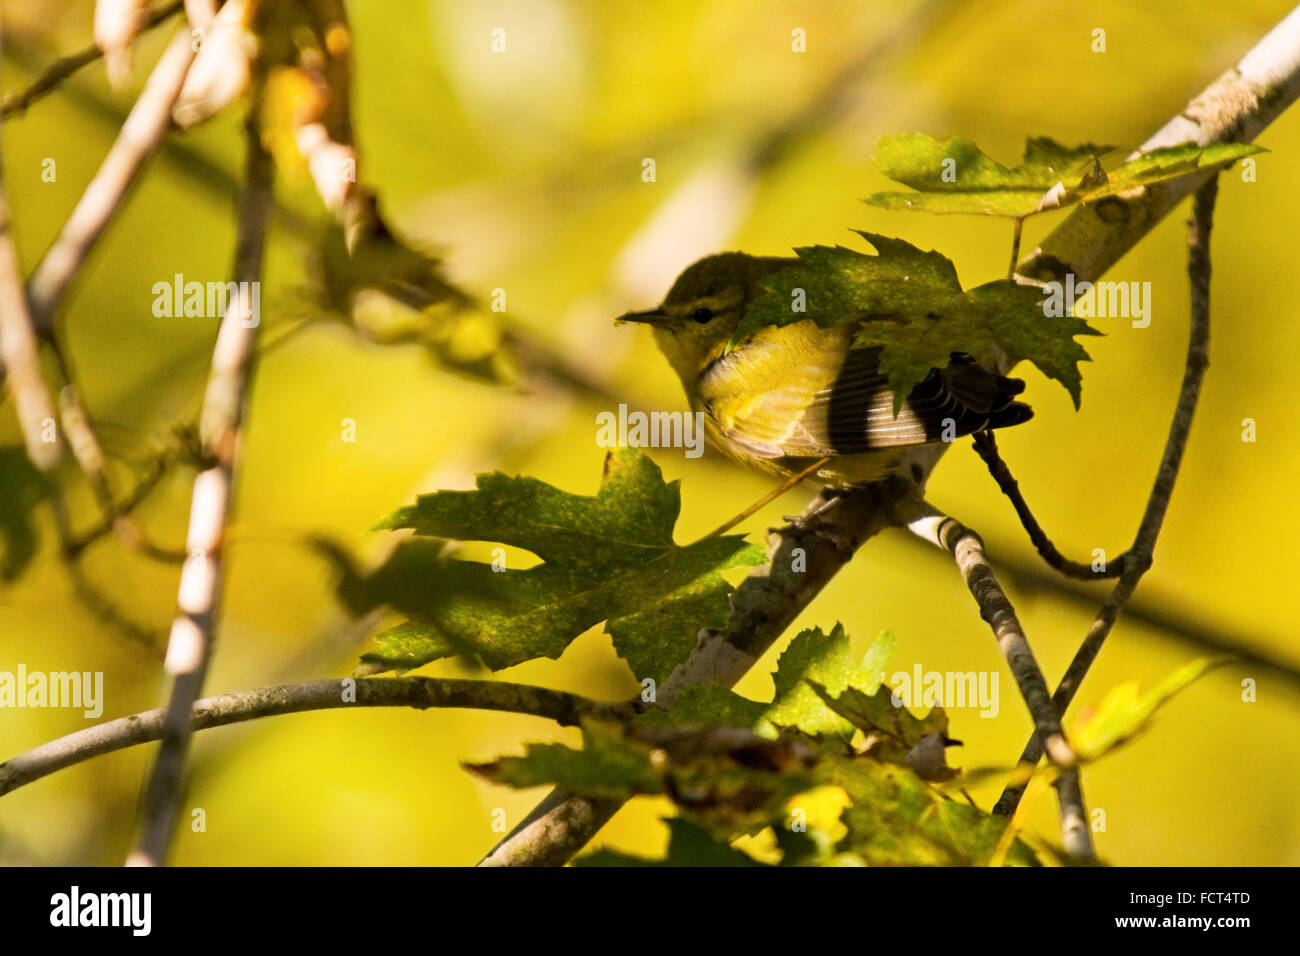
[648, 317]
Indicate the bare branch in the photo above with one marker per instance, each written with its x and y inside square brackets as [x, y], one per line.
[189, 647]
[987, 448]
[1144, 543]
[933, 526]
[418, 692]
[64, 67]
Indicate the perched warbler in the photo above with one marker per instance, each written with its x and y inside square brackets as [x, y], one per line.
[789, 395]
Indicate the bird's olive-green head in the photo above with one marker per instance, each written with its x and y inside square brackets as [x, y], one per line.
[703, 308]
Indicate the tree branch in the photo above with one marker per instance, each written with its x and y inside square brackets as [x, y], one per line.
[1144, 543]
[418, 692]
[189, 647]
[987, 448]
[933, 526]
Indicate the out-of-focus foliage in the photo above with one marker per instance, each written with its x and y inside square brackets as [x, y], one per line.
[22, 487]
[1123, 712]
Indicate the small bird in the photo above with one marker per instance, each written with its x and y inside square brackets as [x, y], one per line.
[787, 396]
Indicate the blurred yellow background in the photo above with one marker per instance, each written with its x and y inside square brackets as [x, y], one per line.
[524, 170]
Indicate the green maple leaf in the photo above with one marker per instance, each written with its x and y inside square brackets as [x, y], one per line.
[839, 285]
[609, 765]
[1158, 166]
[999, 316]
[910, 304]
[897, 819]
[812, 656]
[727, 782]
[607, 558]
[955, 176]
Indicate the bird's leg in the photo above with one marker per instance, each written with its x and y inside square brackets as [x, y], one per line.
[813, 520]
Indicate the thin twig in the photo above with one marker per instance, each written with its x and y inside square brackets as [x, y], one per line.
[189, 647]
[995, 607]
[987, 448]
[1183, 627]
[1144, 542]
[419, 692]
[65, 66]
[1015, 246]
[85, 446]
[90, 456]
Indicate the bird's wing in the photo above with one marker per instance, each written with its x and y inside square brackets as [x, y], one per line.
[847, 411]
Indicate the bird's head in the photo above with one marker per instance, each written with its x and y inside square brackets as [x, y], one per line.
[703, 308]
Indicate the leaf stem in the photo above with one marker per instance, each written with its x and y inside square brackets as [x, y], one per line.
[1015, 246]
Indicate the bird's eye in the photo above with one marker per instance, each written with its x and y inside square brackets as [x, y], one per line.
[702, 315]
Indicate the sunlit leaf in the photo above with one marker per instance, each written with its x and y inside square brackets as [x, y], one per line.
[955, 176]
[1124, 712]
